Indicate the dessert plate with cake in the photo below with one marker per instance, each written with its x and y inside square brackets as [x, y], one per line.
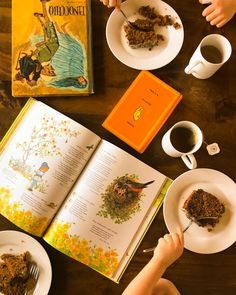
[202, 192]
[155, 39]
[17, 250]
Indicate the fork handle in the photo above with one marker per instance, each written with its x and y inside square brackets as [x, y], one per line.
[123, 13]
[153, 248]
[149, 250]
[188, 226]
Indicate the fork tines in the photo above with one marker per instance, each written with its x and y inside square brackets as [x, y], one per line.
[33, 278]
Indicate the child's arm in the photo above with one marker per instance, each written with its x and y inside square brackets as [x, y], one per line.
[219, 12]
[111, 3]
[169, 249]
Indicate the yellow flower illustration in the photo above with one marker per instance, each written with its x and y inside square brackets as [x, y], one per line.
[23, 218]
[102, 260]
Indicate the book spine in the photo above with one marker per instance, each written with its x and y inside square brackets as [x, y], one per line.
[16, 123]
[90, 47]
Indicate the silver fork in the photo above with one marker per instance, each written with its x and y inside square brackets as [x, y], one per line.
[132, 24]
[184, 230]
[33, 278]
[197, 219]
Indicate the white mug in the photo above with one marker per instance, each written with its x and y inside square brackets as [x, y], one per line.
[182, 140]
[212, 52]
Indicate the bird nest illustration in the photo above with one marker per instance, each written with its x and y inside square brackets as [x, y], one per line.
[122, 197]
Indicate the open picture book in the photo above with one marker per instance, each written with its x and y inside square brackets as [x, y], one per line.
[83, 195]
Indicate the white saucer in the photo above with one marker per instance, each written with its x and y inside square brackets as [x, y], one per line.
[142, 58]
[15, 242]
[196, 238]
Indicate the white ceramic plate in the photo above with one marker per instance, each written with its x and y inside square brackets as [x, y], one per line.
[198, 239]
[142, 58]
[15, 242]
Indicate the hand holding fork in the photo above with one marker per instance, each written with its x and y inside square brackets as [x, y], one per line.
[186, 228]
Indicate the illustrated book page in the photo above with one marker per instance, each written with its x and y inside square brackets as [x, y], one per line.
[142, 110]
[41, 157]
[51, 48]
[108, 211]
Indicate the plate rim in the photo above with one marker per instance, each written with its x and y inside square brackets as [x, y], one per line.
[150, 67]
[169, 191]
[15, 236]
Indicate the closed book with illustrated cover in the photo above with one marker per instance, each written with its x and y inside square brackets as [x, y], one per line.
[51, 48]
[142, 110]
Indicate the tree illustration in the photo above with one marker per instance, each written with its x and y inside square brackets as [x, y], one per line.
[43, 140]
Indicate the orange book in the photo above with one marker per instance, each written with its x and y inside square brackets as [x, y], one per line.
[142, 111]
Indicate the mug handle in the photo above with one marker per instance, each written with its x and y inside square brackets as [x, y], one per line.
[189, 161]
[190, 68]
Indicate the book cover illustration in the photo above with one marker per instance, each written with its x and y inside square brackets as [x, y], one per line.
[142, 110]
[52, 50]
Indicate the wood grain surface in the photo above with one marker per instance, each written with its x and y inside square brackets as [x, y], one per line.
[209, 103]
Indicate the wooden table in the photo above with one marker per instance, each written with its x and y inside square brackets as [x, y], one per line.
[209, 103]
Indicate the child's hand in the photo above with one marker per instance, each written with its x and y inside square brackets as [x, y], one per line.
[219, 12]
[111, 3]
[169, 248]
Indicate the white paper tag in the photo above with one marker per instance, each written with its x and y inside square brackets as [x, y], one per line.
[213, 149]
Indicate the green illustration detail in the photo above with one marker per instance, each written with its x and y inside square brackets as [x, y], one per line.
[122, 198]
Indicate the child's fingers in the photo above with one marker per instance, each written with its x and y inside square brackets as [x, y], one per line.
[161, 241]
[220, 24]
[118, 3]
[180, 235]
[178, 238]
[212, 16]
[217, 20]
[205, 1]
[167, 237]
[112, 3]
[208, 10]
[105, 2]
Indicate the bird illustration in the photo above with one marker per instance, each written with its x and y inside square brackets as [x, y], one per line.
[89, 147]
[137, 187]
[51, 205]
[126, 190]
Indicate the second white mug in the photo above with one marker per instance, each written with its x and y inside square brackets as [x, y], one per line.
[212, 52]
[182, 140]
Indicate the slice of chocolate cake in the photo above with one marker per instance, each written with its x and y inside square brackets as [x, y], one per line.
[148, 12]
[203, 204]
[140, 38]
[14, 273]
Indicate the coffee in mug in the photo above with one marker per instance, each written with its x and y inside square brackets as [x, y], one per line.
[212, 52]
[182, 140]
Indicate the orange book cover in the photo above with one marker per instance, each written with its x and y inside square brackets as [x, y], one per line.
[142, 110]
